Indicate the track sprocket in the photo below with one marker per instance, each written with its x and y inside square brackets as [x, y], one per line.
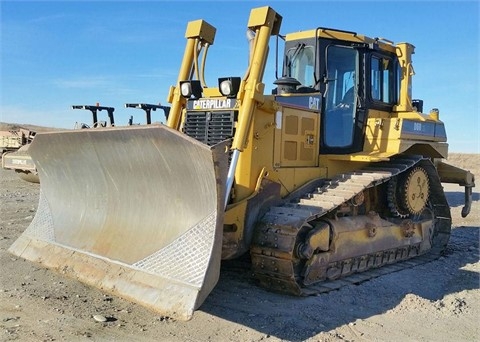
[408, 193]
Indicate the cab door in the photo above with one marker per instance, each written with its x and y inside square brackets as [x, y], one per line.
[343, 118]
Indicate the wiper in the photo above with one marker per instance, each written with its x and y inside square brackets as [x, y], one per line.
[299, 48]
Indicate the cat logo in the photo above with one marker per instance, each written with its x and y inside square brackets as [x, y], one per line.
[314, 103]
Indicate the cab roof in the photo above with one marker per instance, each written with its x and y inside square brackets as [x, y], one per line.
[330, 33]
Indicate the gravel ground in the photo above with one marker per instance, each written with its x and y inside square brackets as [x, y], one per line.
[437, 301]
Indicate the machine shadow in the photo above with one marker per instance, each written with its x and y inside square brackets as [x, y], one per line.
[239, 299]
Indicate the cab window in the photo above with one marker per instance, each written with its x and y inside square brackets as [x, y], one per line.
[301, 63]
[382, 79]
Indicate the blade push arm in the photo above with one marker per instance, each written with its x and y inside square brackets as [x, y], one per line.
[265, 22]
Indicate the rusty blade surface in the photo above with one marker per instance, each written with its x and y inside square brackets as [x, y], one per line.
[135, 211]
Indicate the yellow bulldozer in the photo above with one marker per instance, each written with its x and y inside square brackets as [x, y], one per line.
[335, 172]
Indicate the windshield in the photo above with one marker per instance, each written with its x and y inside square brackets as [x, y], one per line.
[300, 64]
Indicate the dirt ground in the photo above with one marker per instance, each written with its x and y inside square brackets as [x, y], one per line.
[437, 301]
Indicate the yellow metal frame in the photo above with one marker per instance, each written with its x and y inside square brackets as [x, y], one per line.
[198, 31]
[268, 150]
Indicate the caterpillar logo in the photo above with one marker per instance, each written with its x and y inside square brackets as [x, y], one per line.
[19, 162]
[213, 104]
[314, 102]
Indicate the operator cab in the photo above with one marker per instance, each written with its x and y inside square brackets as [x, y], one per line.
[350, 73]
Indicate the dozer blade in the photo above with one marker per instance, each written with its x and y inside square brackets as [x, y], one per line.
[137, 212]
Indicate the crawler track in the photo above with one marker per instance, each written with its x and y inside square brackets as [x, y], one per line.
[276, 265]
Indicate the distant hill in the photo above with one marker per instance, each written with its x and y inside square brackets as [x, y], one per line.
[5, 126]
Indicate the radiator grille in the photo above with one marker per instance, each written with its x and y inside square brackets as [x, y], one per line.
[209, 127]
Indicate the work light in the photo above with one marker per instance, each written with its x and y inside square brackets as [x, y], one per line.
[229, 86]
[191, 89]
